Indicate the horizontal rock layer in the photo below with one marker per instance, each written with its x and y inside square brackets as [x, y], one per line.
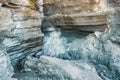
[76, 14]
[20, 29]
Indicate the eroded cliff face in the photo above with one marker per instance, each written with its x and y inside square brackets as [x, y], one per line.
[20, 28]
[96, 55]
[99, 48]
[76, 6]
[77, 13]
[6, 69]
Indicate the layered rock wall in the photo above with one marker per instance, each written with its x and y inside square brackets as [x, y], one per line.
[6, 69]
[83, 14]
[20, 28]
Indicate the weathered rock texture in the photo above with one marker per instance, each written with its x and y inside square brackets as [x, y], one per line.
[77, 13]
[20, 36]
[61, 69]
[101, 48]
[20, 28]
[6, 69]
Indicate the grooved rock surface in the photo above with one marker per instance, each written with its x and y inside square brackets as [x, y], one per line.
[20, 28]
[78, 13]
[61, 69]
[6, 69]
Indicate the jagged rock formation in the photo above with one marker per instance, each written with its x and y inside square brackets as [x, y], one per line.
[115, 38]
[20, 28]
[62, 69]
[96, 56]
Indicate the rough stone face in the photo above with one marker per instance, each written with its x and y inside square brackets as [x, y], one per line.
[20, 36]
[21, 2]
[117, 1]
[20, 29]
[115, 40]
[6, 69]
[103, 48]
[88, 15]
[64, 69]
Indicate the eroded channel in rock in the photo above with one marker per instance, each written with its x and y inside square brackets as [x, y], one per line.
[73, 40]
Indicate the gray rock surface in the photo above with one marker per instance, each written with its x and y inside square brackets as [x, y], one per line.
[20, 29]
[21, 35]
[65, 69]
[6, 69]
